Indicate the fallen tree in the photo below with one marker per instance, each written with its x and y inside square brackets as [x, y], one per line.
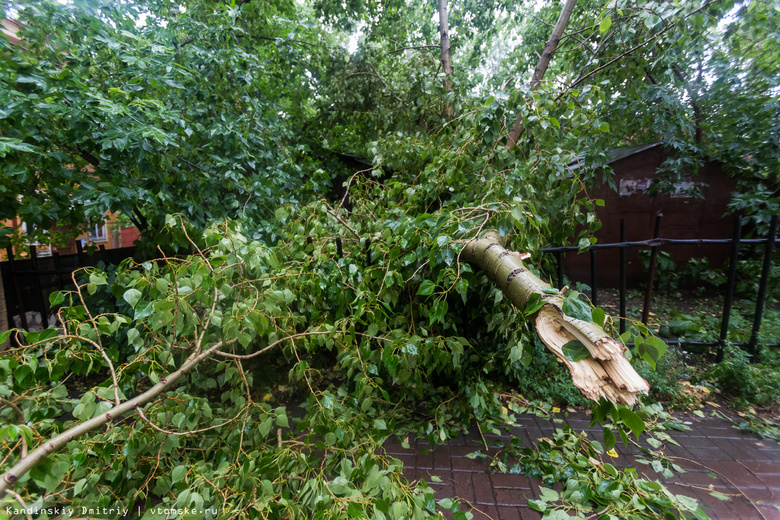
[604, 372]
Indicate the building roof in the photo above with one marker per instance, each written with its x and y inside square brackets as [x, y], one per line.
[616, 154]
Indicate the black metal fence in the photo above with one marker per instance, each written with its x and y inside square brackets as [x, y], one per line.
[28, 282]
[654, 244]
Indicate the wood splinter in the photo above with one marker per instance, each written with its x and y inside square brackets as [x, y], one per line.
[606, 372]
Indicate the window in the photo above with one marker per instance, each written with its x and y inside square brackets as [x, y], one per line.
[98, 233]
[41, 249]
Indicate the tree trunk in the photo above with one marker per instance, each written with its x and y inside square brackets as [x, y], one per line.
[446, 62]
[541, 66]
[606, 372]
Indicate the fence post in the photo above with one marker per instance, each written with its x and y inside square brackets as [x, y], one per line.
[43, 309]
[19, 301]
[653, 263]
[593, 280]
[4, 323]
[724, 324]
[770, 248]
[559, 257]
[622, 276]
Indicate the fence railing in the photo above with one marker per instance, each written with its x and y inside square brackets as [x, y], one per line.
[654, 244]
[29, 281]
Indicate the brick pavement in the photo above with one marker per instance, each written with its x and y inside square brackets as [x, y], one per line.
[715, 456]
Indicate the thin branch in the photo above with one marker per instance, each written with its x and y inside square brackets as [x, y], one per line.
[622, 55]
[411, 48]
[19, 499]
[13, 406]
[343, 222]
[169, 432]
[272, 345]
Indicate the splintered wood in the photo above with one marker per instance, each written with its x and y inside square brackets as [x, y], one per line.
[606, 372]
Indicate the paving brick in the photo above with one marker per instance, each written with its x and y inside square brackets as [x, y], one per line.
[441, 458]
[510, 497]
[745, 460]
[765, 495]
[483, 490]
[441, 489]
[526, 513]
[724, 432]
[464, 487]
[744, 509]
[408, 459]
[466, 464]
[737, 474]
[772, 481]
[705, 454]
[508, 513]
[485, 512]
[770, 512]
[393, 447]
[505, 480]
[423, 460]
[460, 440]
[769, 454]
[700, 478]
[678, 451]
[715, 508]
[763, 467]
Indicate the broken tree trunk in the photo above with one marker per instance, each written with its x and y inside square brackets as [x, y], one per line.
[606, 372]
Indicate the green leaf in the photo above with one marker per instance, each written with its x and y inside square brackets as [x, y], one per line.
[533, 304]
[265, 427]
[609, 439]
[55, 298]
[575, 351]
[577, 308]
[599, 317]
[143, 310]
[79, 487]
[426, 288]
[97, 278]
[605, 24]
[632, 420]
[132, 296]
[446, 503]
[178, 473]
[651, 349]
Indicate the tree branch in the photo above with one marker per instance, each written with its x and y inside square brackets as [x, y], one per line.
[583, 77]
[541, 66]
[58, 441]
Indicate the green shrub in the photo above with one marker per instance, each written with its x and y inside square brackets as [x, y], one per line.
[747, 383]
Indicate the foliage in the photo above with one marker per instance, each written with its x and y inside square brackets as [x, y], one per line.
[665, 380]
[543, 380]
[588, 483]
[102, 112]
[746, 382]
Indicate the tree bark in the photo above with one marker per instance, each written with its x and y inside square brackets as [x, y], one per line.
[542, 65]
[446, 62]
[606, 372]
